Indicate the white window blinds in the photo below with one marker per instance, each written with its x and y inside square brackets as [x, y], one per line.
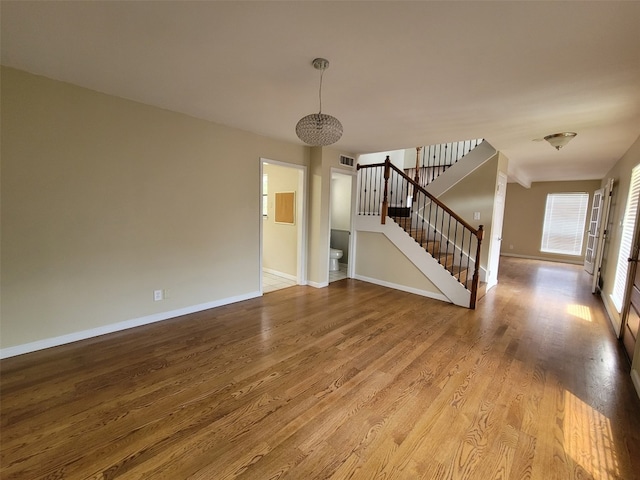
[626, 241]
[564, 223]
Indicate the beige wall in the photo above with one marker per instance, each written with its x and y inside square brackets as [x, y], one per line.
[524, 217]
[391, 266]
[476, 193]
[280, 240]
[621, 173]
[323, 159]
[341, 202]
[105, 200]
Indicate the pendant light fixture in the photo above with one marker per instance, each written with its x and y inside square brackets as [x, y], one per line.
[319, 129]
[559, 140]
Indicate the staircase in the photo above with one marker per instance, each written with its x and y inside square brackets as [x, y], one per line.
[433, 248]
[443, 254]
[442, 245]
[433, 160]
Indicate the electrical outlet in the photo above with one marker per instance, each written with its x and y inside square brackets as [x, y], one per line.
[476, 215]
[510, 247]
[157, 295]
[165, 293]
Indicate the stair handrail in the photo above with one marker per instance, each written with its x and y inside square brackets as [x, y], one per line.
[477, 232]
[440, 157]
[390, 166]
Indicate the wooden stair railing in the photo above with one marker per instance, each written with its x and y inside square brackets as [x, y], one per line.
[387, 191]
[437, 159]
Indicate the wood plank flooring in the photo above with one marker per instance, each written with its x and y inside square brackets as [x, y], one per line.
[354, 381]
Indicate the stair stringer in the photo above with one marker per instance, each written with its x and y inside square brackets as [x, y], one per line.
[463, 167]
[453, 290]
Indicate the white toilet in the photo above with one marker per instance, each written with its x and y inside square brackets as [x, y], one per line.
[334, 256]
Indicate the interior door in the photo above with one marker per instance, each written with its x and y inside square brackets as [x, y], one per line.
[592, 233]
[631, 310]
[496, 230]
[603, 234]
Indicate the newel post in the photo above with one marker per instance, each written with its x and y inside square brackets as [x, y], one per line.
[385, 200]
[476, 269]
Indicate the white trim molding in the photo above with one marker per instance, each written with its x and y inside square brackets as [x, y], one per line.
[613, 314]
[451, 289]
[116, 327]
[635, 378]
[404, 288]
[579, 261]
[288, 276]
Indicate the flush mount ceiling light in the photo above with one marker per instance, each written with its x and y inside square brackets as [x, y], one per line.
[319, 129]
[559, 140]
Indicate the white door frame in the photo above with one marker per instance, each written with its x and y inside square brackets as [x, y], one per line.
[603, 234]
[301, 215]
[354, 175]
[592, 232]
[497, 220]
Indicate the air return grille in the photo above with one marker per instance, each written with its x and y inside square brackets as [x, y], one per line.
[348, 161]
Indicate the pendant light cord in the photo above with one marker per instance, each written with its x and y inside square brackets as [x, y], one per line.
[320, 92]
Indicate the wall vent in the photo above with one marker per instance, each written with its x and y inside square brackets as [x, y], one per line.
[348, 161]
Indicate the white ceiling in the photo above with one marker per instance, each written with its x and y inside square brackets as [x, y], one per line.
[402, 73]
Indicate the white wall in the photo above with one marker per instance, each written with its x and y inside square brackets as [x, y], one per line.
[396, 157]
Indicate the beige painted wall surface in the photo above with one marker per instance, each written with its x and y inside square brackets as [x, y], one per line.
[524, 217]
[323, 159]
[105, 200]
[317, 272]
[621, 173]
[476, 193]
[280, 241]
[341, 202]
[391, 265]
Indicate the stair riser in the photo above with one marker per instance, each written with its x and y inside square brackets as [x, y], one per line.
[445, 259]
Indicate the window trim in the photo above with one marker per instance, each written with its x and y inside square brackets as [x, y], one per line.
[626, 240]
[570, 240]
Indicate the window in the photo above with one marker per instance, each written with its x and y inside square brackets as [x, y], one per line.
[564, 223]
[265, 183]
[629, 222]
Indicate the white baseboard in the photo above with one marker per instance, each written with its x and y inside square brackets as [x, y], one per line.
[403, 288]
[447, 285]
[116, 327]
[317, 284]
[635, 378]
[545, 259]
[288, 276]
[612, 313]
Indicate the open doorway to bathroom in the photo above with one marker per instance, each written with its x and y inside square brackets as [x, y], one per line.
[340, 231]
[282, 212]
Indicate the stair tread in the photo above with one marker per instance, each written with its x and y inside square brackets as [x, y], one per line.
[433, 247]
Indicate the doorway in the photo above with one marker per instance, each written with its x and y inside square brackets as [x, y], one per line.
[340, 222]
[631, 313]
[282, 225]
[631, 307]
[496, 230]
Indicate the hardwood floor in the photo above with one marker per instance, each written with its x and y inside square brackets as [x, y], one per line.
[353, 381]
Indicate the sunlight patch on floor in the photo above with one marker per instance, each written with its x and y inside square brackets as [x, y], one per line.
[588, 439]
[581, 311]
